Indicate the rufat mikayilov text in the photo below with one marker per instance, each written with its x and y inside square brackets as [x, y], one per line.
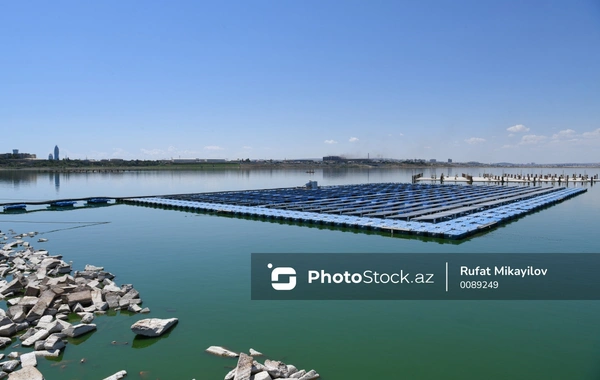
[504, 270]
[369, 277]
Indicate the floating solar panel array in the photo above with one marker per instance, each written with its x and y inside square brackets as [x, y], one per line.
[447, 211]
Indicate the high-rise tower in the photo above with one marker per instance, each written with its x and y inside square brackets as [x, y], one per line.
[56, 153]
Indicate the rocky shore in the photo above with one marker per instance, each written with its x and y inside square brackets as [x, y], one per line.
[44, 295]
[42, 292]
[249, 369]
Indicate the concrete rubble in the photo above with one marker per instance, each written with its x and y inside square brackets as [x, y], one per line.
[249, 369]
[41, 291]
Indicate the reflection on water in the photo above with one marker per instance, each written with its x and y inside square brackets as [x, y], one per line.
[19, 185]
[17, 178]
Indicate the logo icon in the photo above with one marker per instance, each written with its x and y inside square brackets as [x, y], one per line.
[282, 271]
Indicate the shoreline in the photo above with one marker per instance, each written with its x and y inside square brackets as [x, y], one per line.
[245, 166]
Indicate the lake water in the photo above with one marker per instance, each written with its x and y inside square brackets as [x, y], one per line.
[196, 267]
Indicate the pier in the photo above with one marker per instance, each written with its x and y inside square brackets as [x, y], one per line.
[444, 211]
[555, 179]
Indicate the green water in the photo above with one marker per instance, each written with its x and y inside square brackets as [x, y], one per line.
[196, 267]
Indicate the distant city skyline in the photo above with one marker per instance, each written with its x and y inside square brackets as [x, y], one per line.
[469, 80]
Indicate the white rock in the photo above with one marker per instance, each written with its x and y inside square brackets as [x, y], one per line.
[298, 374]
[117, 376]
[291, 369]
[261, 376]
[39, 335]
[80, 329]
[93, 268]
[87, 318]
[54, 342]
[253, 352]
[26, 373]
[220, 351]
[28, 360]
[310, 375]
[54, 353]
[153, 326]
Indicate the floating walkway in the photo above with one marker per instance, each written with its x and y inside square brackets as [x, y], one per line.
[444, 211]
[58, 204]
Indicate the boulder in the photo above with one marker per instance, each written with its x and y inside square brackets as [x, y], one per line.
[93, 268]
[40, 307]
[220, 351]
[87, 318]
[39, 335]
[153, 326]
[276, 368]
[291, 369]
[28, 360]
[298, 374]
[14, 286]
[8, 330]
[310, 375]
[117, 376]
[253, 352]
[32, 290]
[10, 365]
[26, 373]
[54, 342]
[44, 353]
[4, 342]
[4, 320]
[261, 376]
[80, 329]
[112, 299]
[17, 313]
[230, 375]
[243, 371]
[83, 297]
[134, 308]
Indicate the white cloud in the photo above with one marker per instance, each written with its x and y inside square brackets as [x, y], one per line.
[121, 153]
[518, 128]
[532, 139]
[247, 147]
[565, 134]
[475, 140]
[353, 139]
[508, 146]
[152, 152]
[213, 147]
[592, 135]
[511, 135]
[330, 142]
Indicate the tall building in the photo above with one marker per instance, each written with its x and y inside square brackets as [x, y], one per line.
[56, 153]
[50, 157]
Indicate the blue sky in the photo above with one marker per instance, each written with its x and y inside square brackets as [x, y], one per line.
[489, 81]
